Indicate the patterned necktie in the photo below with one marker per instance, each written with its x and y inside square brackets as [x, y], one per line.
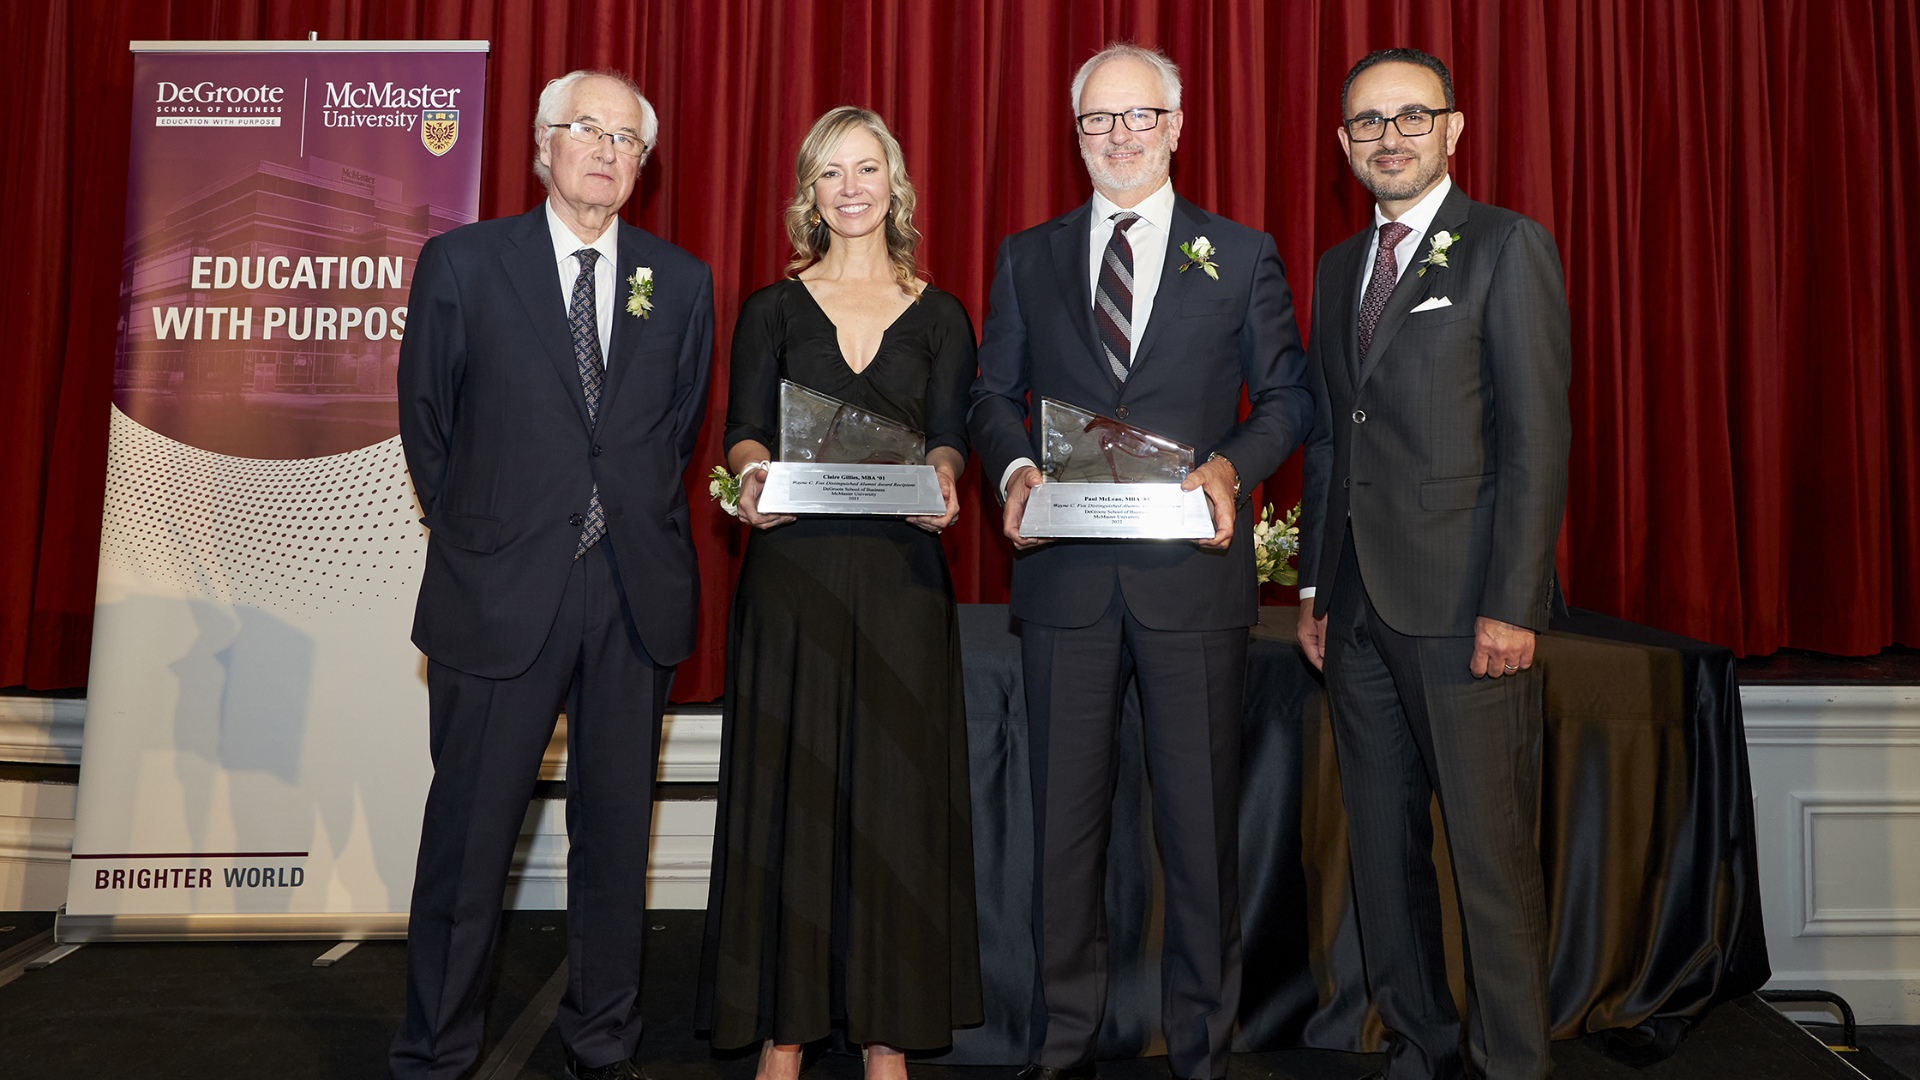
[584, 320]
[1113, 299]
[1386, 274]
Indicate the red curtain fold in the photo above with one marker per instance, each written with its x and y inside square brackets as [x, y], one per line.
[1727, 181]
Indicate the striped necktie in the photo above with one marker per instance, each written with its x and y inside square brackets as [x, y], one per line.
[1113, 298]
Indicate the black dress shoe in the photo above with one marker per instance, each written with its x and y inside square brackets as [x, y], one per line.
[1049, 1072]
[619, 1070]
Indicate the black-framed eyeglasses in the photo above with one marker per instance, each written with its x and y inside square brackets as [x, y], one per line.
[1411, 123]
[582, 132]
[1099, 123]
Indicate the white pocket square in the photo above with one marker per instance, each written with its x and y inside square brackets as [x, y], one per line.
[1431, 303]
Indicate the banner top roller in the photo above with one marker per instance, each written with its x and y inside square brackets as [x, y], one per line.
[297, 45]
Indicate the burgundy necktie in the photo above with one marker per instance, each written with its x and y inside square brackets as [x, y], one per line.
[1113, 299]
[1386, 274]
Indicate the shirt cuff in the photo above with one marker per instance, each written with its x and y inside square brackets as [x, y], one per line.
[1006, 477]
[1307, 593]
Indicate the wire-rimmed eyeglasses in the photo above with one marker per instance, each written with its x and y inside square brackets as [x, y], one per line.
[582, 132]
[1099, 123]
[1411, 123]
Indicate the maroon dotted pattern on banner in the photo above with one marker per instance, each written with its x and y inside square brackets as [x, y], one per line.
[316, 533]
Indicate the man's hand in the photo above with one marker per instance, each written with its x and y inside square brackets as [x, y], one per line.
[750, 484]
[1500, 648]
[1311, 633]
[1019, 487]
[1219, 479]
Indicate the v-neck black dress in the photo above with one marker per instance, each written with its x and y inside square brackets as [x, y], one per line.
[842, 886]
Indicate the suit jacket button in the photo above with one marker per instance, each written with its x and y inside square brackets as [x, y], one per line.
[1346, 481]
[1359, 416]
[1121, 412]
[596, 449]
[576, 521]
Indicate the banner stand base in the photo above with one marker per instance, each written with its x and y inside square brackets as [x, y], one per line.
[228, 926]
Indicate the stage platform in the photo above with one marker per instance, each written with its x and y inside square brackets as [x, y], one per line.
[218, 1010]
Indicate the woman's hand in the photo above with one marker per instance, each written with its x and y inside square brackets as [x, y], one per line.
[947, 464]
[950, 494]
[751, 483]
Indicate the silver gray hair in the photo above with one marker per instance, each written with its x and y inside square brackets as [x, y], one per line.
[1168, 71]
[558, 95]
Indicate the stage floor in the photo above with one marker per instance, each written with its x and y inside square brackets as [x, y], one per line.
[213, 1010]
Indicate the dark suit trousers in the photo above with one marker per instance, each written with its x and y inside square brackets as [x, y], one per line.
[487, 739]
[1191, 685]
[1410, 721]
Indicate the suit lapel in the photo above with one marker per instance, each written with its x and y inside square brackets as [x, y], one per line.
[1413, 287]
[1070, 267]
[1188, 221]
[1342, 314]
[533, 267]
[628, 330]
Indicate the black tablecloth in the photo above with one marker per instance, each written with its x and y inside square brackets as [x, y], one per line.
[1646, 833]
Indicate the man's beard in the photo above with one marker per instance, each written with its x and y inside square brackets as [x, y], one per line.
[1387, 189]
[1147, 170]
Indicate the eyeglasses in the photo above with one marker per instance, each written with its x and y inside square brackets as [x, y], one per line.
[582, 132]
[1099, 123]
[1410, 123]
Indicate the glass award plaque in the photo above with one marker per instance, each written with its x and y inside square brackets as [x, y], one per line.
[1113, 480]
[838, 458]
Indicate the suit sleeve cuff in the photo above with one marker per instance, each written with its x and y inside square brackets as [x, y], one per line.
[1007, 477]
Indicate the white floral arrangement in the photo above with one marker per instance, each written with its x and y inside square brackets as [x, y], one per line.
[1275, 543]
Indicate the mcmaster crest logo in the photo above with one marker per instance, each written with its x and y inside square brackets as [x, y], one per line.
[439, 130]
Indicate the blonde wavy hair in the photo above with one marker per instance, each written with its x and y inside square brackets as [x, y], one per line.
[809, 232]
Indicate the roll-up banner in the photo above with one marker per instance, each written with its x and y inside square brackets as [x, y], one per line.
[253, 762]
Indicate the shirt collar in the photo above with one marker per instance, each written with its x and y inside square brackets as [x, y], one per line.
[1156, 209]
[1420, 216]
[565, 243]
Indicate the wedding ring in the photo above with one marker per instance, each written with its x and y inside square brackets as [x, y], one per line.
[1511, 667]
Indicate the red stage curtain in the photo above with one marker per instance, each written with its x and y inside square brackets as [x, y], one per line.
[1729, 183]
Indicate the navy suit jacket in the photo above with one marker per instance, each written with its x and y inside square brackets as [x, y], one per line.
[1446, 445]
[1204, 342]
[494, 421]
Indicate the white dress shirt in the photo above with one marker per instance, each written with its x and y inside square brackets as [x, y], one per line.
[1149, 238]
[1419, 218]
[605, 269]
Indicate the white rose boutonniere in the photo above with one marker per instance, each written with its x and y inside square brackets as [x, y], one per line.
[640, 292]
[1437, 252]
[1199, 252]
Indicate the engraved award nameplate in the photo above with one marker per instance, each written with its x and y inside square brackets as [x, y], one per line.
[837, 458]
[1112, 480]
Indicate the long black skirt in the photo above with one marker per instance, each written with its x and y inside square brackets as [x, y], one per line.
[842, 886]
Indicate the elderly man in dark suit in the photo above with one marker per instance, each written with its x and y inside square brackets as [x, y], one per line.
[552, 383]
[1101, 309]
[1436, 475]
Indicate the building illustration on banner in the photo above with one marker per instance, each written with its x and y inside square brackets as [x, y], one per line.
[266, 309]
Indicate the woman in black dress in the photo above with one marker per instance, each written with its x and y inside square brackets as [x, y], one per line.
[842, 889]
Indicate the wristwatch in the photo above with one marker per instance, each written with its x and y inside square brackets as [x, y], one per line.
[1217, 456]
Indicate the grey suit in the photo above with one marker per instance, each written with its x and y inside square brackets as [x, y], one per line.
[1435, 481]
